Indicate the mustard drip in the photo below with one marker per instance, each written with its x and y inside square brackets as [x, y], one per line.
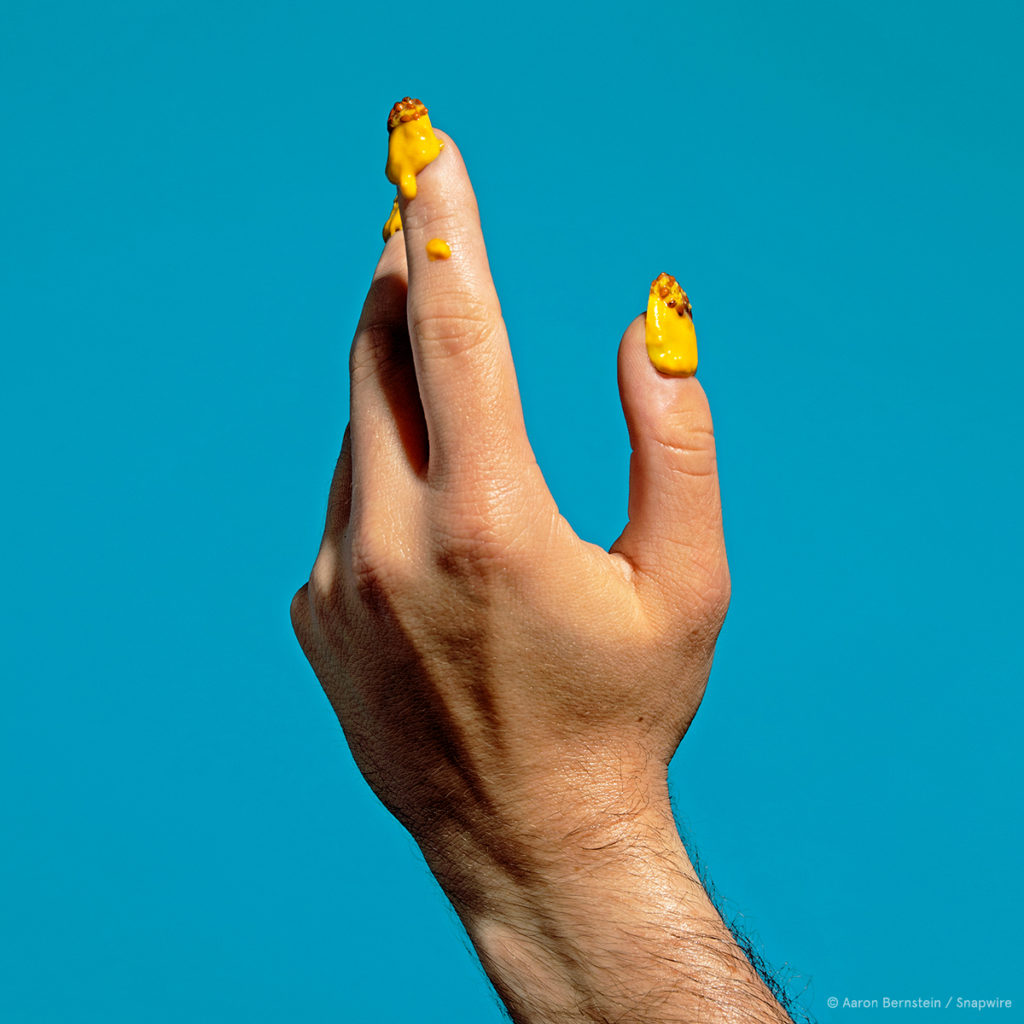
[412, 144]
[394, 222]
[438, 249]
[671, 338]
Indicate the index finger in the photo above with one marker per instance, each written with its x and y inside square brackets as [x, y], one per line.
[464, 366]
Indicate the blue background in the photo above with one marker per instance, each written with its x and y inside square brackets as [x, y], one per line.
[191, 198]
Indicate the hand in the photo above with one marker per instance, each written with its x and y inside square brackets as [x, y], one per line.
[512, 693]
[493, 672]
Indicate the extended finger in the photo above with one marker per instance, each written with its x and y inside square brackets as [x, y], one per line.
[463, 363]
[388, 431]
[674, 534]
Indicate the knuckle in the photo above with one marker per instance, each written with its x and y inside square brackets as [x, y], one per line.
[324, 592]
[376, 345]
[480, 534]
[717, 592]
[470, 552]
[454, 325]
[691, 450]
[698, 590]
[299, 611]
[379, 568]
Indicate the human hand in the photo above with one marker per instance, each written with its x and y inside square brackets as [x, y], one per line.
[512, 693]
[493, 672]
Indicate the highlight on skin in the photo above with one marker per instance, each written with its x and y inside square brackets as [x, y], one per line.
[412, 144]
[438, 249]
[671, 338]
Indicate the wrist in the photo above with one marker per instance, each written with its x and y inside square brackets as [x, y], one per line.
[550, 841]
[610, 922]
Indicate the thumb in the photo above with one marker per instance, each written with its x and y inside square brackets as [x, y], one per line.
[673, 539]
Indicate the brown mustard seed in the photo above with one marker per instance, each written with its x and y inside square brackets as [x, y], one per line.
[405, 110]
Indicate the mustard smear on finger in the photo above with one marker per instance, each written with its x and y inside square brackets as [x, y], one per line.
[671, 339]
[394, 222]
[412, 144]
[438, 249]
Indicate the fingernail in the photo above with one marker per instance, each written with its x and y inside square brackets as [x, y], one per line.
[671, 339]
[412, 144]
[394, 222]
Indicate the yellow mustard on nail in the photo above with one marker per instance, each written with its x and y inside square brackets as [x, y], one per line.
[394, 222]
[671, 339]
[438, 249]
[412, 144]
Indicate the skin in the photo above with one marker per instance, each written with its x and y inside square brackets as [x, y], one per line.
[512, 693]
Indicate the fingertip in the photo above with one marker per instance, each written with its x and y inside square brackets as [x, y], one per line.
[444, 194]
[450, 152]
[447, 143]
[649, 396]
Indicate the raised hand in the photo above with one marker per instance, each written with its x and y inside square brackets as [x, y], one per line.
[512, 693]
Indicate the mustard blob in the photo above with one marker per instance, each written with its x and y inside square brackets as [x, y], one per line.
[394, 222]
[412, 144]
[671, 338]
[438, 249]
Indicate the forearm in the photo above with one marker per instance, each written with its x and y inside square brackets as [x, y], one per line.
[612, 926]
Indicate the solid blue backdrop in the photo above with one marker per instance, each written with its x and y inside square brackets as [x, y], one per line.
[191, 198]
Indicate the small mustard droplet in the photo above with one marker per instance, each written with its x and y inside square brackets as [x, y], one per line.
[438, 249]
[671, 338]
[394, 222]
[412, 144]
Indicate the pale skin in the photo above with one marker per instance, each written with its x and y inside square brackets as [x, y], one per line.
[512, 693]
